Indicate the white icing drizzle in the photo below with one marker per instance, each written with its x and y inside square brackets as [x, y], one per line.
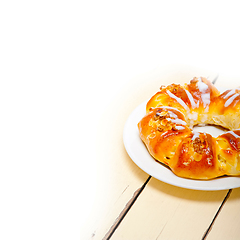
[179, 100]
[206, 99]
[190, 97]
[229, 94]
[177, 121]
[172, 108]
[234, 134]
[230, 100]
[164, 133]
[203, 87]
[195, 135]
[173, 115]
[198, 104]
[174, 118]
[179, 127]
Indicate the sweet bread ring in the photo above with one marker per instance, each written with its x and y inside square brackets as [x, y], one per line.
[167, 129]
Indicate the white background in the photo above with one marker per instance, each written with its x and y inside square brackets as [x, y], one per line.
[56, 57]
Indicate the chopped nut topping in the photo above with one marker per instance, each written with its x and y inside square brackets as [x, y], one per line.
[164, 120]
[194, 81]
[174, 91]
[161, 114]
[160, 129]
[199, 145]
[174, 128]
[173, 88]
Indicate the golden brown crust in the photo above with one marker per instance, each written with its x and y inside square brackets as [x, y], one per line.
[162, 130]
[226, 109]
[163, 98]
[228, 152]
[196, 158]
[174, 110]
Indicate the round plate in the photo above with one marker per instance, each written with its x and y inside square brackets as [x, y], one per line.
[139, 154]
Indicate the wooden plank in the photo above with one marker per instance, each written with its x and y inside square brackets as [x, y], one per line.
[226, 226]
[216, 215]
[166, 212]
[125, 210]
[117, 178]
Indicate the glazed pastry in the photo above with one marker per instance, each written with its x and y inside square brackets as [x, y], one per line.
[167, 131]
[162, 130]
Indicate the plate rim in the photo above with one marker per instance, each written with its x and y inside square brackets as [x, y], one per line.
[131, 134]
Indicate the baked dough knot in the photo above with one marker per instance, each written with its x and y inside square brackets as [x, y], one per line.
[167, 129]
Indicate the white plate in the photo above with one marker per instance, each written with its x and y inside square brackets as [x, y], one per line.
[140, 155]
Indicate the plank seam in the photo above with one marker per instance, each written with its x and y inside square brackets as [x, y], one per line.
[125, 210]
[132, 201]
[216, 215]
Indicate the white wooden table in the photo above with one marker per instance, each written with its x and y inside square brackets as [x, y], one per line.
[71, 73]
[133, 205]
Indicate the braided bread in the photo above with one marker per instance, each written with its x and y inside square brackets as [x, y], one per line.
[167, 129]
